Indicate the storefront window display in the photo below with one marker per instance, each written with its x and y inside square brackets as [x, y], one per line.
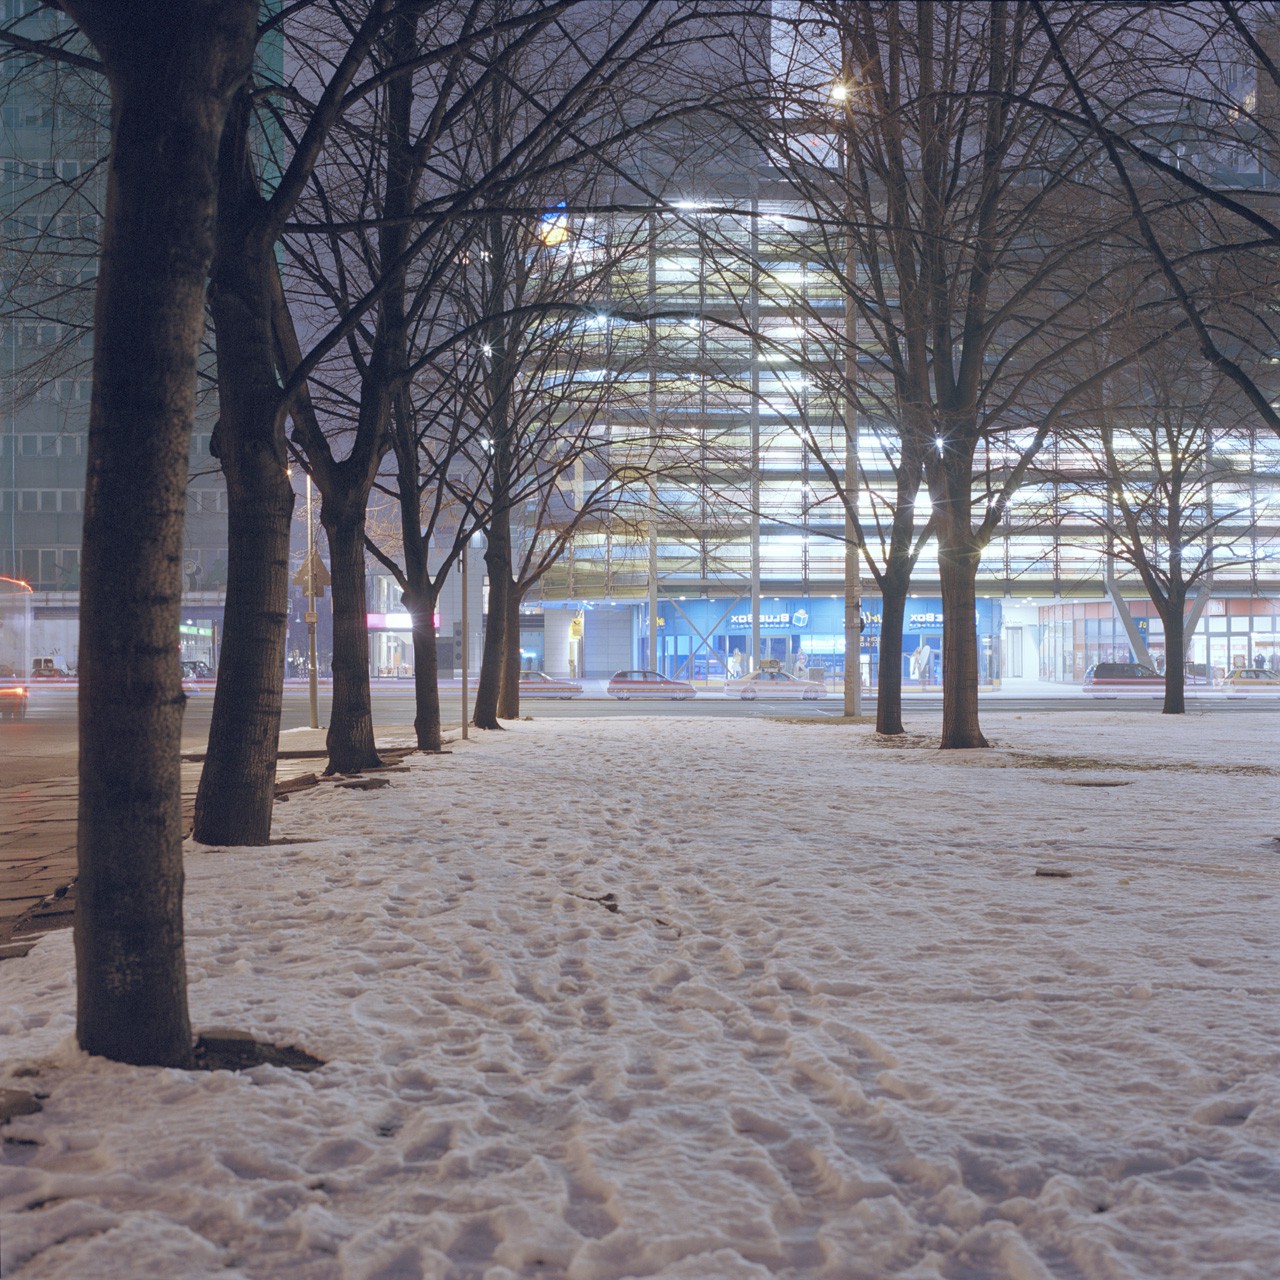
[1230, 633]
[707, 639]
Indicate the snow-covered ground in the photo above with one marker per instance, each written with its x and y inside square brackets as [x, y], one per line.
[836, 1027]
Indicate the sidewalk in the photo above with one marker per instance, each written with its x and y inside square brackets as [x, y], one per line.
[38, 835]
[38, 829]
[876, 1010]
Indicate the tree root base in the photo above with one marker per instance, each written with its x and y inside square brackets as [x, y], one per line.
[238, 1051]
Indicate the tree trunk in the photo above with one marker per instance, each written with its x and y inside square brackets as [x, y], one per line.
[426, 671]
[900, 560]
[957, 572]
[345, 485]
[350, 741]
[509, 701]
[893, 607]
[1173, 612]
[237, 784]
[485, 715]
[497, 559]
[173, 72]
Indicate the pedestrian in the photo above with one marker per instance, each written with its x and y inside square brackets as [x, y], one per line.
[922, 662]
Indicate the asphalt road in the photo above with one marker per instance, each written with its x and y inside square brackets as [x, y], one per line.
[44, 745]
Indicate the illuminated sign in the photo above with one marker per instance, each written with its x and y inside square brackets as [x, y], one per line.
[766, 620]
[394, 621]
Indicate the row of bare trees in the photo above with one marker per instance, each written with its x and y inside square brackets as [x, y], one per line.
[1021, 264]
[406, 298]
[389, 307]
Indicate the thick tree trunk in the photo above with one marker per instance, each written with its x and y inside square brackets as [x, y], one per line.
[350, 740]
[237, 784]
[173, 72]
[957, 572]
[889, 695]
[426, 671]
[509, 701]
[1173, 612]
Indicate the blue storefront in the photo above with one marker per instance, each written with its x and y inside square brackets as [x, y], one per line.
[703, 639]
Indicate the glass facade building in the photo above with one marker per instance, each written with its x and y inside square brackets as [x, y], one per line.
[708, 340]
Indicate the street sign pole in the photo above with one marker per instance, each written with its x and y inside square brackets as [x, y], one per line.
[311, 614]
[466, 547]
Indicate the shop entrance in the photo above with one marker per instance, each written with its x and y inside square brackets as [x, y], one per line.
[922, 663]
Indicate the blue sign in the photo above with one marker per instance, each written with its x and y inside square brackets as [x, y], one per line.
[817, 616]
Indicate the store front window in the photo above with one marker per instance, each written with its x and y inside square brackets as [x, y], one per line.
[708, 639]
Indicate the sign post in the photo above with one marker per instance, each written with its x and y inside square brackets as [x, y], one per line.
[311, 615]
[466, 549]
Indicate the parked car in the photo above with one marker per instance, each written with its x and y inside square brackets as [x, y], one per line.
[774, 684]
[1111, 679]
[48, 669]
[195, 669]
[648, 684]
[1242, 680]
[537, 684]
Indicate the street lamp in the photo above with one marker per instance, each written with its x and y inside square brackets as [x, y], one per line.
[466, 555]
[841, 93]
[312, 617]
[466, 632]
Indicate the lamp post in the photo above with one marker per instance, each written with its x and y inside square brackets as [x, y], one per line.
[842, 94]
[466, 555]
[311, 614]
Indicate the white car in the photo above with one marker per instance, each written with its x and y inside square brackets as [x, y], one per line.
[537, 684]
[774, 684]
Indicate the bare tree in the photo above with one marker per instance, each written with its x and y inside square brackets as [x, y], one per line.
[560, 472]
[276, 137]
[376, 221]
[235, 797]
[149, 318]
[968, 214]
[1153, 471]
[840, 410]
[548, 376]
[1192, 140]
[539, 97]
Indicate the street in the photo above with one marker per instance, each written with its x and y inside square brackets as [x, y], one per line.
[44, 745]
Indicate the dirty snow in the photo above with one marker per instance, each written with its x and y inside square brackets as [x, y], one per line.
[836, 1027]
